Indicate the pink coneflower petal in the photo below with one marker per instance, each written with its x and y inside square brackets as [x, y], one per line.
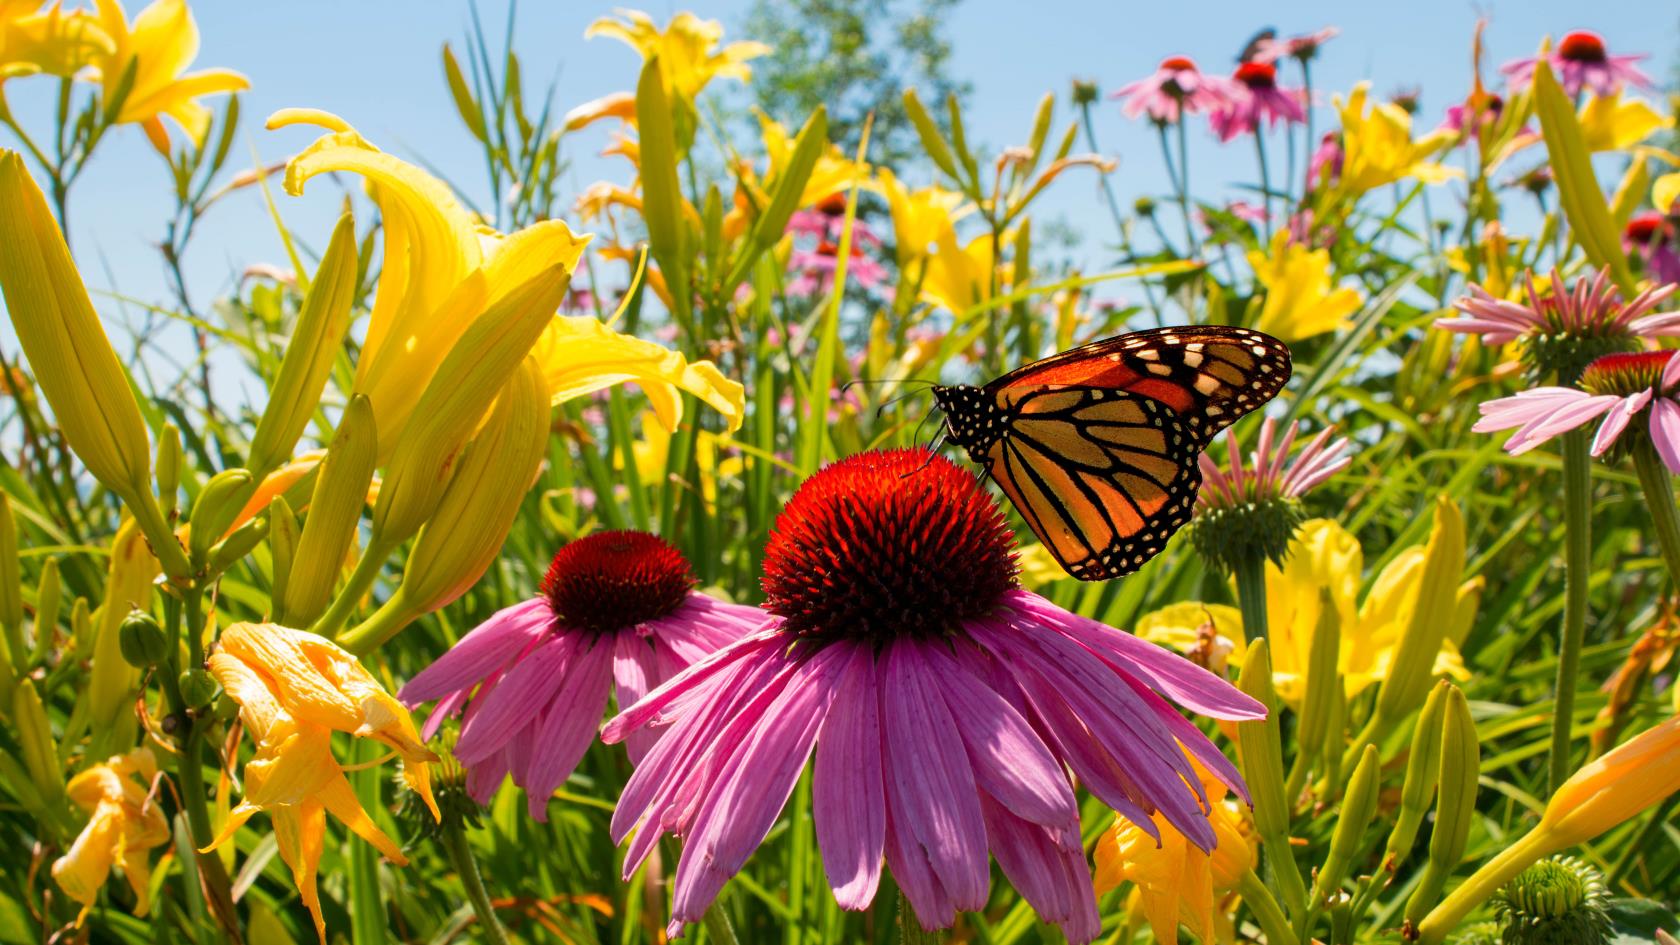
[847, 792]
[569, 726]
[635, 666]
[1565, 417]
[484, 649]
[507, 709]
[1051, 877]
[1665, 432]
[1670, 376]
[1616, 420]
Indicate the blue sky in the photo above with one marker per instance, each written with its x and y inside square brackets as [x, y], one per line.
[376, 62]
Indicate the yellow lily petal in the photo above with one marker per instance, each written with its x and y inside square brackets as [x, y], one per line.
[1618, 122]
[1300, 302]
[160, 43]
[300, 834]
[1665, 192]
[580, 355]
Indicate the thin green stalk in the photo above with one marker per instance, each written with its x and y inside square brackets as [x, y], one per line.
[1658, 486]
[910, 931]
[361, 580]
[1184, 188]
[1265, 182]
[1251, 597]
[454, 840]
[719, 930]
[1266, 911]
[1577, 517]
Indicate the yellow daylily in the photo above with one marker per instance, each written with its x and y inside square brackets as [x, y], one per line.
[833, 173]
[294, 689]
[653, 453]
[1174, 881]
[1324, 556]
[54, 40]
[918, 216]
[581, 355]
[160, 43]
[1377, 145]
[1300, 302]
[124, 822]
[687, 48]
[619, 105]
[1665, 192]
[957, 278]
[1616, 122]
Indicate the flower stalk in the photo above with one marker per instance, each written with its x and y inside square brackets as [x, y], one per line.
[1577, 518]
[454, 841]
[1658, 487]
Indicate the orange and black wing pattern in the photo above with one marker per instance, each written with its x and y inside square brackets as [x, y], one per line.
[1097, 447]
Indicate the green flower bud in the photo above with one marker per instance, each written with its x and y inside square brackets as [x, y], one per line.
[198, 688]
[1423, 766]
[34, 734]
[334, 510]
[1359, 804]
[218, 504]
[1455, 805]
[143, 642]
[169, 468]
[1560, 901]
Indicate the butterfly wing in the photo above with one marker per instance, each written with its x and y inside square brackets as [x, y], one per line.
[1208, 375]
[1103, 477]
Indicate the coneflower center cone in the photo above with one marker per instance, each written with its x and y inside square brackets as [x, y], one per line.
[611, 580]
[1624, 375]
[1582, 46]
[900, 543]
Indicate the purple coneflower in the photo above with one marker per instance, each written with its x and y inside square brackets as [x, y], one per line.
[1564, 327]
[1620, 388]
[1256, 96]
[815, 270]
[944, 704]
[1652, 237]
[1173, 90]
[1270, 473]
[1304, 47]
[533, 680]
[1581, 62]
[1487, 111]
[1324, 166]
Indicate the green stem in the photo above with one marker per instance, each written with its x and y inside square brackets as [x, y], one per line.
[719, 930]
[370, 634]
[1114, 209]
[1577, 509]
[910, 931]
[1658, 486]
[454, 841]
[1184, 189]
[1265, 181]
[1264, 905]
[189, 773]
[361, 579]
[1251, 597]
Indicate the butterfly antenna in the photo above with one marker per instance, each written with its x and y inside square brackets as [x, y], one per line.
[879, 410]
[932, 454]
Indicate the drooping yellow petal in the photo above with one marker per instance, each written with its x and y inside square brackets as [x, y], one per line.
[158, 46]
[1300, 301]
[1618, 122]
[580, 355]
[54, 41]
[300, 835]
[1377, 146]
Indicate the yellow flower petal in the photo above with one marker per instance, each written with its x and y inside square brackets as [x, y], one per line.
[580, 355]
[1300, 302]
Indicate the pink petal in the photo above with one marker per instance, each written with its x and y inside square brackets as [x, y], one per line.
[1665, 432]
[930, 783]
[569, 724]
[1617, 420]
[847, 796]
[490, 645]
[635, 669]
[1525, 407]
[1051, 877]
[662, 698]
[1671, 370]
[915, 877]
[526, 688]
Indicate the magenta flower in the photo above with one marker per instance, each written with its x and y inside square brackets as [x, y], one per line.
[1174, 89]
[1325, 164]
[1652, 236]
[1270, 473]
[1617, 387]
[1581, 62]
[945, 707]
[1256, 97]
[1593, 308]
[1488, 112]
[815, 270]
[1304, 47]
[533, 680]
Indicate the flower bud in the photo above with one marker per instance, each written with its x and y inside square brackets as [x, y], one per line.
[335, 508]
[169, 468]
[1430, 618]
[1359, 804]
[1260, 753]
[81, 624]
[1455, 804]
[198, 688]
[218, 505]
[282, 548]
[72, 358]
[315, 342]
[1423, 767]
[143, 641]
[1084, 91]
[35, 738]
[11, 585]
[49, 596]
[455, 400]
[1324, 679]
[128, 586]
[244, 540]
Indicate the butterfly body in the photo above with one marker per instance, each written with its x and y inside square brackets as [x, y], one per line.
[1097, 447]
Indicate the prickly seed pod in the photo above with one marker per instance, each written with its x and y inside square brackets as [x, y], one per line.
[1560, 901]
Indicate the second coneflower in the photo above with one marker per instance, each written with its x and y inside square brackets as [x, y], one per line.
[617, 608]
[945, 707]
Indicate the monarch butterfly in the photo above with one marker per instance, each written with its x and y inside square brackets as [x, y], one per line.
[1097, 446]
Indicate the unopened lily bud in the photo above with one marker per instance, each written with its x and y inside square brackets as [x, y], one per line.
[1423, 768]
[466, 533]
[74, 364]
[244, 540]
[169, 467]
[198, 688]
[1430, 618]
[218, 504]
[35, 738]
[315, 342]
[81, 624]
[1260, 753]
[1324, 677]
[1455, 804]
[143, 641]
[49, 597]
[282, 548]
[456, 399]
[1359, 804]
[334, 509]
[128, 586]
[11, 583]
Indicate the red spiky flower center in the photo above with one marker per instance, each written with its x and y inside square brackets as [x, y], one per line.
[613, 580]
[1257, 75]
[886, 544]
[1582, 46]
[834, 204]
[1178, 64]
[1648, 227]
[1625, 374]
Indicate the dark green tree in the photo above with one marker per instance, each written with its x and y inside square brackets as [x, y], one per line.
[853, 56]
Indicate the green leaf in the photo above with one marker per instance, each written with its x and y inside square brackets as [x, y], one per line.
[1578, 190]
